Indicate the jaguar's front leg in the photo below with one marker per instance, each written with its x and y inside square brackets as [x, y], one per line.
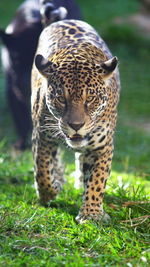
[48, 183]
[96, 169]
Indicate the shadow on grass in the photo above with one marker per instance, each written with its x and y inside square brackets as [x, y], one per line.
[66, 207]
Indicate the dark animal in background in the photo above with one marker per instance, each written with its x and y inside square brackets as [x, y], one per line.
[19, 45]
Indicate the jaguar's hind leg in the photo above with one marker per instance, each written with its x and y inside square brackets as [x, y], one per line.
[59, 167]
[78, 170]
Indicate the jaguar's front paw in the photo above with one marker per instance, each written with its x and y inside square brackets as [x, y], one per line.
[82, 218]
[49, 192]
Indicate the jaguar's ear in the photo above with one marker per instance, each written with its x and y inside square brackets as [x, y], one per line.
[109, 66]
[45, 67]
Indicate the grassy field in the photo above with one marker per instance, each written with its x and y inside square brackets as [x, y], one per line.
[31, 235]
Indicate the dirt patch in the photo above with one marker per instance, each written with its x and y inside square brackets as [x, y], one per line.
[141, 124]
[142, 21]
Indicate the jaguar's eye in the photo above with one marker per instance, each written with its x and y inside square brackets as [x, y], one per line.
[90, 99]
[61, 99]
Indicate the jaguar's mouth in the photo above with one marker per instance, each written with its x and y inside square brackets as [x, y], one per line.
[76, 141]
[76, 138]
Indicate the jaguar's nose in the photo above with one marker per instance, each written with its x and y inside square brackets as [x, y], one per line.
[76, 126]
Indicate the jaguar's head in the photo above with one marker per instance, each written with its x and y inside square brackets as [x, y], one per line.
[76, 93]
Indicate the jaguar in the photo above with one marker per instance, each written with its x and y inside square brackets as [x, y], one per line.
[75, 93]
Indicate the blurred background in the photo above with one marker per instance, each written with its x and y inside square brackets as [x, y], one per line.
[125, 27]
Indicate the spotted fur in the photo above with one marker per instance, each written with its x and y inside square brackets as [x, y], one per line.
[75, 92]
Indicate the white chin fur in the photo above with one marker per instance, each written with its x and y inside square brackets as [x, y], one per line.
[77, 144]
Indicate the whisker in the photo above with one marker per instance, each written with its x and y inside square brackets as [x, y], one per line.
[50, 125]
[50, 119]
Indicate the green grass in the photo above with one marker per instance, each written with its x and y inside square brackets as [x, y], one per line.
[31, 235]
